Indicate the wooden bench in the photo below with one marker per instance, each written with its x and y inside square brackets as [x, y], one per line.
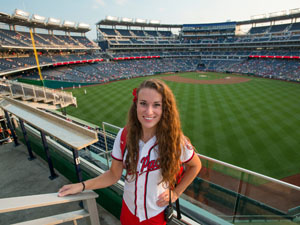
[35, 201]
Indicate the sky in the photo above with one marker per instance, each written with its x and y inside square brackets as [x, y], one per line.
[166, 11]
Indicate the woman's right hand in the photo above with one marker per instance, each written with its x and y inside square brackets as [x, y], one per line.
[70, 189]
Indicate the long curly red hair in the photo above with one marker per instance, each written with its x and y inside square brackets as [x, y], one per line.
[168, 134]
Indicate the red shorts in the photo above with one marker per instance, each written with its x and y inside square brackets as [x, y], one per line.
[127, 218]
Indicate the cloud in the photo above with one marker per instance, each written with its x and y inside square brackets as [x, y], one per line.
[121, 2]
[161, 10]
[98, 3]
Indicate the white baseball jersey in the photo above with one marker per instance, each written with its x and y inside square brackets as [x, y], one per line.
[141, 193]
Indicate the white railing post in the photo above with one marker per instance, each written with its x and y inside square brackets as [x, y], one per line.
[45, 93]
[11, 93]
[23, 90]
[34, 94]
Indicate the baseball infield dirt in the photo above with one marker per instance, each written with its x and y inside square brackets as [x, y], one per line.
[227, 80]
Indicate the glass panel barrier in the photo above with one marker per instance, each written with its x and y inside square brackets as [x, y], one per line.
[240, 196]
[236, 195]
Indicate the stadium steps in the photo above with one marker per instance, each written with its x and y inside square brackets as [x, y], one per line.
[78, 42]
[41, 37]
[24, 40]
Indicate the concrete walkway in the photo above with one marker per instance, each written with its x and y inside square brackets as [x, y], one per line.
[21, 177]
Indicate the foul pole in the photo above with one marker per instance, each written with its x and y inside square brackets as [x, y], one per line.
[36, 56]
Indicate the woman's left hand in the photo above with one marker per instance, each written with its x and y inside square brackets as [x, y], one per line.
[163, 198]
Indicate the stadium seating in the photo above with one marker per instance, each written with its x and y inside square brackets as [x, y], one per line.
[165, 33]
[295, 27]
[108, 71]
[23, 39]
[216, 46]
[107, 31]
[138, 33]
[259, 30]
[279, 28]
[125, 33]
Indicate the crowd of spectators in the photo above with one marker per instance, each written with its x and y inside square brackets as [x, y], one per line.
[97, 72]
[114, 70]
[12, 63]
[271, 68]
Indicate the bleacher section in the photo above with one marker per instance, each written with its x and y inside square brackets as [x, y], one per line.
[109, 71]
[125, 33]
[259, 30]
[139, 33]
[198, 34]
[295, 27]
[279, 28]
[270, 68]
[108, 32]
[209, 41]
[14, 63]
[152, 33]
[17, 39]
[165, 33]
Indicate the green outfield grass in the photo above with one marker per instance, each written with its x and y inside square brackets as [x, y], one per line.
[254, 125]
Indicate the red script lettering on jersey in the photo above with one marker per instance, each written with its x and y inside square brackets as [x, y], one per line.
[148, 165]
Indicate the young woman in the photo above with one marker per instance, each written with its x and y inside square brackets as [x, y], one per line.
[155, 150]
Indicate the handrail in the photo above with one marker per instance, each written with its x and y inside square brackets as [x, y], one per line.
[34, 201]
[111, 125]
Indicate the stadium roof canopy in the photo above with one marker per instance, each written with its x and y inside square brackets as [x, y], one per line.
[270, 19]
[23, 21]
[293, 14]
[136, 24]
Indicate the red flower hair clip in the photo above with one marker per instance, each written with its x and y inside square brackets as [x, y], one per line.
[134, 94]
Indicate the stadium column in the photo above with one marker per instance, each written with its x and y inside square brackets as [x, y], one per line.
[53, 175]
